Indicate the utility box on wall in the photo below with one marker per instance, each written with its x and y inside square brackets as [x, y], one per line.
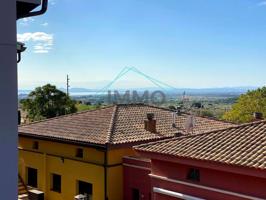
[36, 195]
[81, 197]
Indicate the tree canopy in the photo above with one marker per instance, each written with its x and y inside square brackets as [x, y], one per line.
[246, 105]
[46, 102]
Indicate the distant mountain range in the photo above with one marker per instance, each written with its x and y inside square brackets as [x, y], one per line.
[222, 90]
[79, 90]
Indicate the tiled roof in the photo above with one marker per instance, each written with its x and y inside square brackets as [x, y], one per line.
[88, 126]
[244, 145]
[116, 125]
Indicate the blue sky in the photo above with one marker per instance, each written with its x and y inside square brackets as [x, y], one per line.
[186, 43]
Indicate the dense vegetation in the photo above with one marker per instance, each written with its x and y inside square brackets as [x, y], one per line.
[46, 102]
[246, 105]
[82, 107]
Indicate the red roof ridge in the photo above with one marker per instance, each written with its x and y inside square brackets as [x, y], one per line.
[112, 124]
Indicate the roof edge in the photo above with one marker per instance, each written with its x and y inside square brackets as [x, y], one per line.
[63, 140]
[185, 158]
[195, 135]
[67, 115]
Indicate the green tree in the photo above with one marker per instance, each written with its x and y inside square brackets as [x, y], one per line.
[207, 113]
[246, 105]
[46, 102]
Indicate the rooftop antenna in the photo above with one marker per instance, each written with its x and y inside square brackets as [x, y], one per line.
[190, 123]
[174, 119]
[68, 85]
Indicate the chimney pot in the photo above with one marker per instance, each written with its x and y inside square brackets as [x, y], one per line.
[150, 123]
[150, 116]
[258, 115]
[178, 110]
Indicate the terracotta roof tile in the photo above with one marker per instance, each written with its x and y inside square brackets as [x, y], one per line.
[87, 126]
[116, 125]
[243, 145]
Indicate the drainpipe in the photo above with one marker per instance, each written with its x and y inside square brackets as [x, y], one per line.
[8, 101]
[105, 172]
[45, 176]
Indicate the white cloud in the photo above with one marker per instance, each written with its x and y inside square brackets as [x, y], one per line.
[52, 2]
[26, 21]
[42, 48]
[262, 3]
[45, 24]
[42, 42]
[36, 36]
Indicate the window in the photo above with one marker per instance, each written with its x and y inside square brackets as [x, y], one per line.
[79, 153]
[135, 194]
[193, 174]
[32, 177]
[85, 189]
[56, 183]
[35, 145]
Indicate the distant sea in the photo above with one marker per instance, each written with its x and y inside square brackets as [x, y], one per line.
[188, 91]
[26, 92]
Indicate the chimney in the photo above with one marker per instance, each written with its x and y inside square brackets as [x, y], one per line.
[257, 116]
[150, 123]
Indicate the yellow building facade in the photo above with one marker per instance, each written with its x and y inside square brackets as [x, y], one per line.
[100, 168]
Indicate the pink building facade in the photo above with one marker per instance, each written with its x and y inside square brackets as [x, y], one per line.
[227, 164]
[167, 178]
[137, 182]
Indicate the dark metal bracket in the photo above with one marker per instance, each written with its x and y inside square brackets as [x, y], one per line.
[20, 48]
[36, 13]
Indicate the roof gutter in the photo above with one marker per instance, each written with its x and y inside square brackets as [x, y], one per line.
[61, 140]
[38, 12]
